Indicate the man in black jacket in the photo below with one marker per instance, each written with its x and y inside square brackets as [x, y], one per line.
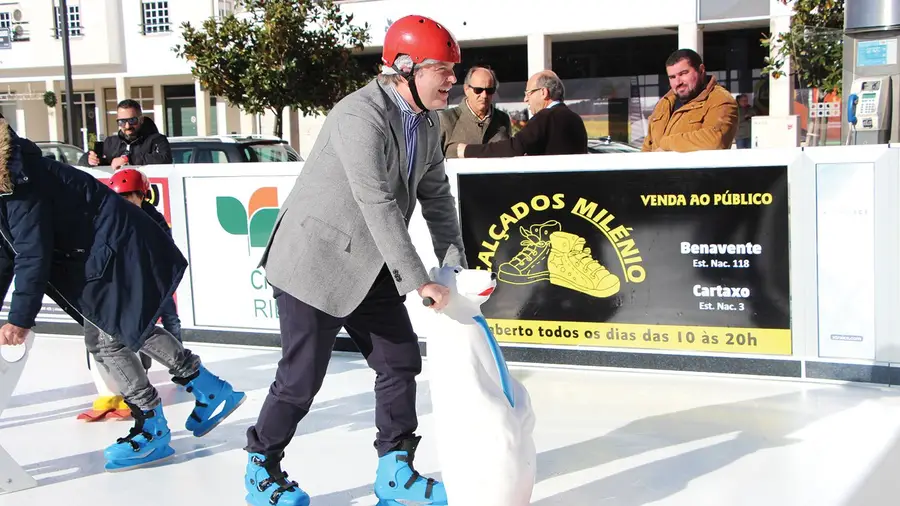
[553, 129]
[138, 141]
[106, 263]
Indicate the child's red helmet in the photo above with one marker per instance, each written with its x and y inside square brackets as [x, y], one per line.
[129, 180]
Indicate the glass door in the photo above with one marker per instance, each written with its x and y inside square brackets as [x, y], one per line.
[181, 116]
[84, 117]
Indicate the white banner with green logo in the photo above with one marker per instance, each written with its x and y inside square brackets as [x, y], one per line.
[229, 222]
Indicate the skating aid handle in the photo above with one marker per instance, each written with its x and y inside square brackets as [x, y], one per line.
[427, 302]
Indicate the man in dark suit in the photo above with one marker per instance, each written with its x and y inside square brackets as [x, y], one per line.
[553, 129]
[340, 255]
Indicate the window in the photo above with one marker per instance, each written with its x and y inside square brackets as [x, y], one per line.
[211, 156]
[144, 96]
[226, 7]
[156, 17]
[72, 155]
[51, 153]
[271, 152]
[5, 20]
[74, 21]
[109, 96]
[182, 155]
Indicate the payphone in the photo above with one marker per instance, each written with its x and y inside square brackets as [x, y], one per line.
[869, 110]
[871, 73]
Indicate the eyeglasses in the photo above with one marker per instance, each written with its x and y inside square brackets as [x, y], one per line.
[129, 121]
[529, 92]
[477, 90]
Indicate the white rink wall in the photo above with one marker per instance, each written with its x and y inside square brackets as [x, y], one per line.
[219, 214]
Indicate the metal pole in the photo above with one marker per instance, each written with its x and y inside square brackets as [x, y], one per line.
[67, 64]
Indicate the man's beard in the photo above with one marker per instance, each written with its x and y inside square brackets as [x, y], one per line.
[701, 85]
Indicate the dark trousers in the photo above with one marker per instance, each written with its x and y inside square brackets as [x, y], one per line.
[381, 329]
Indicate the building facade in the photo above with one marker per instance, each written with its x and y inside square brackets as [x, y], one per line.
[610, 55]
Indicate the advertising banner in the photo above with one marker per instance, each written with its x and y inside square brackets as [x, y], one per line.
[159, 197]
[845, 201]
[229, 221]
[675, 259]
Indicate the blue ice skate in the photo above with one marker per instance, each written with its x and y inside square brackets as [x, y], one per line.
[267, 484]
[397, 483]
[146, 443]
[210, 391]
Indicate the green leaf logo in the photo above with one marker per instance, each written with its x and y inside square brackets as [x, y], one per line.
[232, 215]
[256, 221]
[261, 225]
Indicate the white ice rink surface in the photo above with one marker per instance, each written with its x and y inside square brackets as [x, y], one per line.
[603, 438]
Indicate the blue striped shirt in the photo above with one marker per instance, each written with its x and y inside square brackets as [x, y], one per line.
[410, 128]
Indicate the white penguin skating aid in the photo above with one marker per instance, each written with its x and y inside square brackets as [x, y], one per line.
[483, 416]
[12, 362]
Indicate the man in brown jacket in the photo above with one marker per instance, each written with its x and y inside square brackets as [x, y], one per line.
[696, 114]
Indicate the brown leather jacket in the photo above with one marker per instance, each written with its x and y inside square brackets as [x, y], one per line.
[706, 122]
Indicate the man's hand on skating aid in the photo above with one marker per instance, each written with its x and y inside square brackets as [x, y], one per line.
[12, 335]
[434, 295]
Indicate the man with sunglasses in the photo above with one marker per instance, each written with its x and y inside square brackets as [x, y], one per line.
[476, 120]
[553, 129]
[138, 141]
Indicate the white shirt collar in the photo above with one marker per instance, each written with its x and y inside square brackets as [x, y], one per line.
[486, 116]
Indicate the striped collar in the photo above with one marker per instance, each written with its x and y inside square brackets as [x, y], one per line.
[402, 103]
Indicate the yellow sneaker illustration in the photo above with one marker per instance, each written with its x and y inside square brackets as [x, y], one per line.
[530, 264]
[571, 266]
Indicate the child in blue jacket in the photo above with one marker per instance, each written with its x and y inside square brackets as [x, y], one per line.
[134, 187]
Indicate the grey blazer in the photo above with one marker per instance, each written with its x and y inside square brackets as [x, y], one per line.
[348, 213]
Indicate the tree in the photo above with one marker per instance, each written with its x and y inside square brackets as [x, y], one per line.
[815, 47]
[814, 44]
[277, 54]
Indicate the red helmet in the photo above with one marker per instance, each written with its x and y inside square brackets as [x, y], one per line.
[421, 38]
[129, 180]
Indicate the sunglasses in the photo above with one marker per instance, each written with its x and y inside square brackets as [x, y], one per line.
[490, 91]
[129, 121]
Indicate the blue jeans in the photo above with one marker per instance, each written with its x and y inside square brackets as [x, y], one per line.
[743, 143]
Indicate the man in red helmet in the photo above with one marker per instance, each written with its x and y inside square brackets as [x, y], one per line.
[340, 255]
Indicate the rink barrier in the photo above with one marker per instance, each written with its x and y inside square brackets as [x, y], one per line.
[823, 226]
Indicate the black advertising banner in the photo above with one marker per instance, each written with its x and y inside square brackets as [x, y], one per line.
[673, 259]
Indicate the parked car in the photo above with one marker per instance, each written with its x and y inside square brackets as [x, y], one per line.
[232, 149]
[604, 145]
[60, 151]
